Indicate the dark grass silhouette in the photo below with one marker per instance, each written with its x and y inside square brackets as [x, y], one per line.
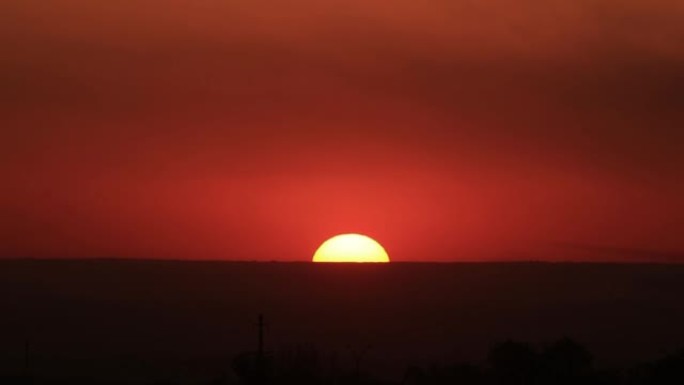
[564, 362]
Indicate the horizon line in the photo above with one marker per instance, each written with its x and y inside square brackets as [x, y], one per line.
[255, 261]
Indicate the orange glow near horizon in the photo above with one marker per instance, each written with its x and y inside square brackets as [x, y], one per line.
[351, 248]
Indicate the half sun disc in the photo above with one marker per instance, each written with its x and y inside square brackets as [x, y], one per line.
[351, 248]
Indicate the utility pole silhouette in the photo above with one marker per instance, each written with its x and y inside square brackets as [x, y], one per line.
[261, 364]
[254, 367]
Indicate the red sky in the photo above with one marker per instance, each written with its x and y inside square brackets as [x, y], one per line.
[447, 130]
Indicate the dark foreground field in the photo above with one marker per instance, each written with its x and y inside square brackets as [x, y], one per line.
[148, 320]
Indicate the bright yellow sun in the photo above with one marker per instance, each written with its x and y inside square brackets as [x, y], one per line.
[351, 248]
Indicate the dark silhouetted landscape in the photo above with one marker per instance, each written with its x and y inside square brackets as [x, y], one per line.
[142, 322]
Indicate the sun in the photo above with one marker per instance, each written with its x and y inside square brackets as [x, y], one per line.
[351, 248]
